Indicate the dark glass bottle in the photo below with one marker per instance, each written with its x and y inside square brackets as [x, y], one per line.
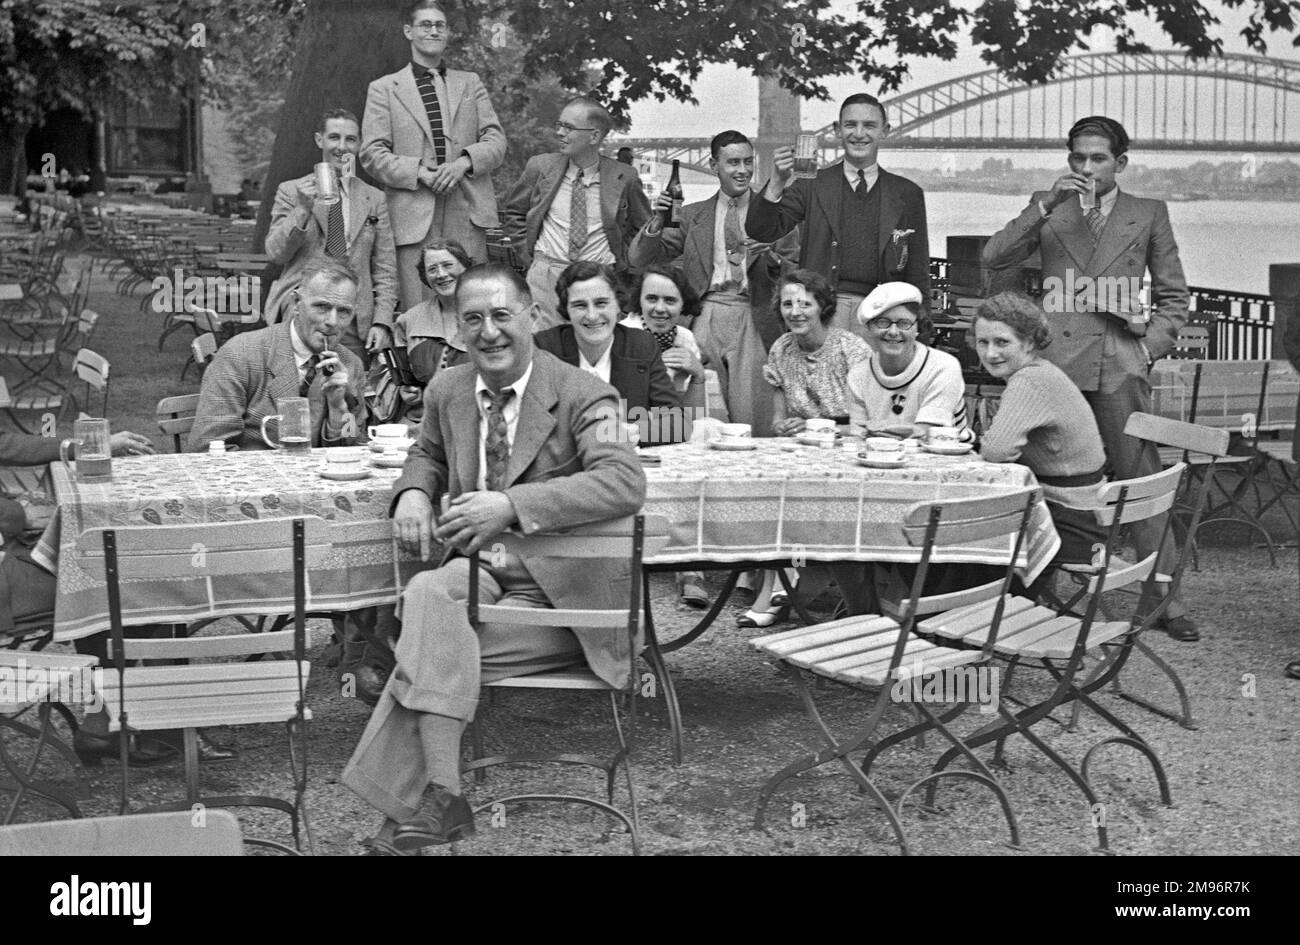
[673, 216]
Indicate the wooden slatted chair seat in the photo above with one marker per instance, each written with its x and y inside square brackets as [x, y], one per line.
[554, 679]
[37, 402]
[38, 348]
[22, 480]
[1280, 450]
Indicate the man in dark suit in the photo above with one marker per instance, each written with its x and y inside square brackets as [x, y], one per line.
[432, 138]
[574, 205]
[1103, 335]
[861, 224]
[300, 357]
[515, 439]
[733, 274]
[354, 228]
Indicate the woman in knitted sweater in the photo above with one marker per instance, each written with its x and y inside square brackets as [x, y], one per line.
[1043, 422]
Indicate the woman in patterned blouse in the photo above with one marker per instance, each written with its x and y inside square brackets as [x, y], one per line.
[428, 330]
[809, 365]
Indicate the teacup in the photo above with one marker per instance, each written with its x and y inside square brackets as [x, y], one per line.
[882, 456]
[388, 431]
[819, 426]
[344, 458]
[736, 431]
[945, 436]
[884, 444]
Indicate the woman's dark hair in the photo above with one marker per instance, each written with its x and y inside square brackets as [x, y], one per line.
[450, 246]
[583, 272]
[690, 301]
[813, 282]
[1021, 314]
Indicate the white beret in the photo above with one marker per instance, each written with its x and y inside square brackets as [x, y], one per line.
[885, 296]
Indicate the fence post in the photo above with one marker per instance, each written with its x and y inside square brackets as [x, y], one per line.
[1284, 287]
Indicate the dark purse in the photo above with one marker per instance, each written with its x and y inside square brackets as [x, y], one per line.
[383, 392]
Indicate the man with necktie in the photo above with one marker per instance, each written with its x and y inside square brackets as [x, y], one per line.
[514, 439]
[299, 357]
[1107, 329]
[732, 273]
[353, 228]
[432, 138]
[574, 206]
[862, 225]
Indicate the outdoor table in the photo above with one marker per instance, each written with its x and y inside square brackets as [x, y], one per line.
[725, 508]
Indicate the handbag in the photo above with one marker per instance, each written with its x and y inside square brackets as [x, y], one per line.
[383, 394]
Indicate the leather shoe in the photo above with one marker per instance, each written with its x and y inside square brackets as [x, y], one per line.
[142, 750]
[210, 751]
[369, 682]
[451, 819]
[692, 595]
[1181, 628]
[1293, 669]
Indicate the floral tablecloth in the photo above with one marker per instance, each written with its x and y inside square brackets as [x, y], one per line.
[775, 502]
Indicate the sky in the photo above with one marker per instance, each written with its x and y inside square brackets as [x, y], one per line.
[728, 95]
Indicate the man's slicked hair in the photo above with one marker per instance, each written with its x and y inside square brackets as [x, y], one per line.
[1103, 127]
[862, 98]
[331, 113]
[487, 272]
[596, 112]
[726, 139]
[419, 5]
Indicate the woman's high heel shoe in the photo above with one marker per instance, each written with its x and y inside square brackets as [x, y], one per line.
[762, 619]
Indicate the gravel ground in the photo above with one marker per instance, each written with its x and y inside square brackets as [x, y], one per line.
[1233, 779]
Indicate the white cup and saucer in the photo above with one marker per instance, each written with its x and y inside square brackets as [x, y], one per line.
[390, 436]
[344, 464]
[734, 436]
[819, 432]
[882, 452]
[947, 441]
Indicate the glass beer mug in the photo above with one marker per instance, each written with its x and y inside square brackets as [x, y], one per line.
[294, 427]
[94, 450]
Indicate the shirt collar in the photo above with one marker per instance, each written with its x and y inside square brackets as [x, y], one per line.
[301, 353]
[1107, 200]
[589, 174]
[870, 173]
[743, 200]
[519, 386]
[419, 70]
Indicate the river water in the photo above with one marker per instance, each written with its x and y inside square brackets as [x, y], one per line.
[1224, 244]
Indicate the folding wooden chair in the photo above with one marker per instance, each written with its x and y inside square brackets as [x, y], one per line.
[632, 538]
[1032, 635]
[45, 677]
[882, 653]
[194, 696]
[202, 350]
[175, 416]
[92, 370]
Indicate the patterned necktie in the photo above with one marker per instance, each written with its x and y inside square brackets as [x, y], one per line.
[861, 188]
[335, 239]
[1095, 223]
[735, 242]
[497, 449]
[310, 376]
[429, 95]
[577, 218]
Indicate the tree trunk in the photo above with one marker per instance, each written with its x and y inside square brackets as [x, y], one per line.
[343, 46]
[17, 145]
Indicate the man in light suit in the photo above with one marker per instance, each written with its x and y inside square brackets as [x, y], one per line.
[354, 228]
[515, 439]
[1093, 263]
[555, 189]
[732, 273]
[300, 357]
[432, 138]
[862, 225]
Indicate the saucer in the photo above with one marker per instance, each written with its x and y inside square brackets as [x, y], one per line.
[943, 449]
[342, 475]
[808, 440]
[383, 461]
[403, 446]
[738, 444]
[880, 464]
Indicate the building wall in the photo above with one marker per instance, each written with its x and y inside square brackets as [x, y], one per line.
[221, 163]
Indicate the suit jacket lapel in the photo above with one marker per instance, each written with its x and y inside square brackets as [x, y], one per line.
[826, 191]
[283, 365]
[409, 95]
[891, 210]
[611, 189]
[463, 416]
[536, 419]
[700, 236]
[1072, 230]
[550, 185]
[358, 209]
[456, 85]
[1117, 235]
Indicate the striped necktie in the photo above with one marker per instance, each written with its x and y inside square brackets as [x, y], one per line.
[336, 243]
[305, 387]
[429, 95]
[734, 241]
[577, 218]
[497, 448]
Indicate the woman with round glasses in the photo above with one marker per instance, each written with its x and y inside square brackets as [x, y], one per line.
[905, 387]
[428, 332]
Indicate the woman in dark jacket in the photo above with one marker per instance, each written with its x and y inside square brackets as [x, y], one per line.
[625, 358]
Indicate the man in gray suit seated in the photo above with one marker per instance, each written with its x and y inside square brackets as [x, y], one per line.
[514, 439]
